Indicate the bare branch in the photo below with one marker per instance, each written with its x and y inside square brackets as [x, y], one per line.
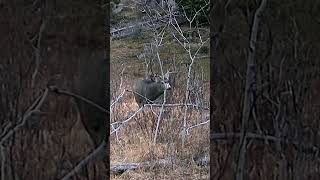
[249, 96]
[121, 168]
[197, 125]
[67, 93]
[117, 99]
[38, 53]
[125, 121]
[159, 118]
[177, 105]
[34, 108]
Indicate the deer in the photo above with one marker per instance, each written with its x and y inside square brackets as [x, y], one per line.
[150, 88]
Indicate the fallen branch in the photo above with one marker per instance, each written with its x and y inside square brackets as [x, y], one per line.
[118, 169]
[121, 168]
[121, 32]
[176, 105]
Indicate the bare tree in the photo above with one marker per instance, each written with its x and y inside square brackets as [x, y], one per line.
[248, 102]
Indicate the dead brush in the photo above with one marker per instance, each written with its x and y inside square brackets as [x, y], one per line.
[134, 133]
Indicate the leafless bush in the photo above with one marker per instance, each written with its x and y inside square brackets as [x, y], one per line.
[178, 122]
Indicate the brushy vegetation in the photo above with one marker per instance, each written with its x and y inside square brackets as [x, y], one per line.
[53, 140]
[134, 141]
[285, 104]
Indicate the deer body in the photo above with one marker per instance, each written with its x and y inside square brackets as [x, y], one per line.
[147, 90]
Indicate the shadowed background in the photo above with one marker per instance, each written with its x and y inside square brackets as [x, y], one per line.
[49, 42]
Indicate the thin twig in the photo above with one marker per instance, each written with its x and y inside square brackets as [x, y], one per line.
[67, 93]
[38, 53]
[34, 108]
[125, 121]
[6, 128]
[177, 105]
[117, 99]
[197, 125]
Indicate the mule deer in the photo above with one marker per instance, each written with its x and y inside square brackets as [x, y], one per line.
[149, 89]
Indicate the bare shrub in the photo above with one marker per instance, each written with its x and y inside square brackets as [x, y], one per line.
[173, 130]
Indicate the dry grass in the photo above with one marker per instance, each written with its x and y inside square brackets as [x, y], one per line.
[134, 141]
[52, 142]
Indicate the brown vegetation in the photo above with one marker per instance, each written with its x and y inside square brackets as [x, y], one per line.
[134, 141]
[164, 152]
[44, 42]
[285, 74]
